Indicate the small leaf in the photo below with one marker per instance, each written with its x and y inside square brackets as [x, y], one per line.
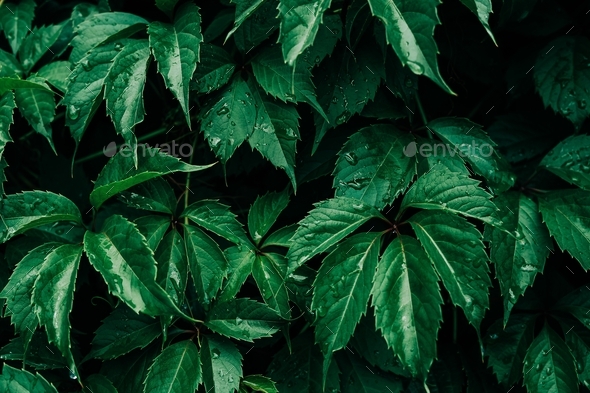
[53, 296]
[38, 107]
[36, 44]
[549, 365]
[16, 21]
[570, 160]
[222, 365]
[567, 215]
[328, 223]
[260, 383]
[119, 173]
[13, 83]
[372, 165]
[172, 266]
[7, 106]
[240, 262]
[121, 332]
[153, 195]
[407, 303]
[153, 228]
[38, 354]
[269, 271]
[14, 380]
[280, 237]
[243, 319]
[482, 9]
[176, 49]
[21, 212]
[176, 370]
[265, 211]
[56, 74]
[215, 69]
[97, 383]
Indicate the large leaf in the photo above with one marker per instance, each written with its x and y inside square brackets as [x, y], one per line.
[153, 195]
[342, 289]
[269, 271]
[518, 258]
[506, 346]
[455, 247]
[21, 212]
[19, 290]
[172, 266]
[38, 107]
[21, 381]
[409, 26]
[567, 215]
[470, 142]
[207, 263]
[372, 165]
[229, 120]
[265, 211]
[38, 353]
[119, 173]
[442, 189]
[16, 21]
[215, 69]
[578, 341]
[276, 131]
[407, 303]
[218, 219]
[562, 77]
[176, 48]
[7, 106]
[570, 160]
[222, 365]
[300, 21]
[240, 262]
[284, 82]
[121, 332]
[328, 223]
[176, 370]
[243, 319]
[121, 255]
[549, 365]
[11, 83]
[360, 378]
[53, 296]
[103, 27]
[482, 9]
[37, 44]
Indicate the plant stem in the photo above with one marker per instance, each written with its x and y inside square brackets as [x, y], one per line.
[423, 115]
[188, 177]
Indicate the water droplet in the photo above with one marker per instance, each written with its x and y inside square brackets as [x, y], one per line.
[73, 112]
[215, 353]
[351, 158]
[86, 65]
[118, 46]
[223, 110]
[214, 141]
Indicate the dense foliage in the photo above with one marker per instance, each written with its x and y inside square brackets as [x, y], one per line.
[295, 196]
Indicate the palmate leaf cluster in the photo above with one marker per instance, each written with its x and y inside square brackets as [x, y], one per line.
[412, 213]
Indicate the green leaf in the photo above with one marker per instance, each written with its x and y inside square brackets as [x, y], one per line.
[455, 248]
[470, 142]
[518, 258]
[19, 290]
[229, 120]
[153, 195]
[10, 66]
[215, 69]
[442, 189]
[578, 341]
[218, 219]
[372, 165]
[222, 365]
[244, 9]
[328, 223]
[570, 160]
[7, 106]
[124, 89]
[121, 332]
[269, 271]
[121, 255]
[567, 215]
[119, 173]
[207, 263]
[98, 383]
[240, 263]
[329, 33]
[13, 83]
[38, 107]
[258, 28]
[358, 19]
[176, 49]
[300, 21]
[17, 381]
[243, 319]
[260, 383]
[562, 77]
[276, 131]
[153, 228]
[342, 289]
[101, 28]
[176, 370]
[16, 21]
[549, 365]
[409, 26]
[284, 82]
[56, 74]
[482, 9]
[53, 296]
[36, 44]
[264, 212]
[360, 378]
[280, 237]
[129, 372]
[172, 266]
[167, 6]
[30, 209]
[38, 354]
[407, 303]
[577, 303]
[506, 346]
